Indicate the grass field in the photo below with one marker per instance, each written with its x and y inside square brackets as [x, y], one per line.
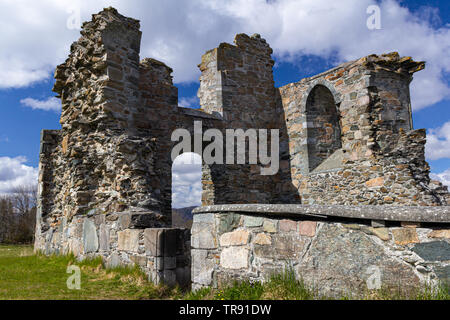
[25, 275]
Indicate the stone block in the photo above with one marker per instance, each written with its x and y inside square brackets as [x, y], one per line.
[262, 239]
[287, 225]
[128, 240]
[251, 221]
[170, 242]
[142, 220]
[202, 236]
[234, 238]
[154, 242]
[378, 223]
[307, 228]
[202, 267]
[340, 260]
[104, 237]
[124, 220]
[407, 224]
[404, 236]
[228, 222]
[433, 251]
[270, 226]
[382, 233]
[442, 233]
[376, 182]
[90, 238]
[284, 246]
[234, 258]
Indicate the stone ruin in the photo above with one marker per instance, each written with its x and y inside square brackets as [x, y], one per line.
[352, 193]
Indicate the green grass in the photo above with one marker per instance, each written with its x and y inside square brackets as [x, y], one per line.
[278, 287]
[25, 275]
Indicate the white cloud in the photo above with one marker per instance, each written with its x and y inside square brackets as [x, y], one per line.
[14, 173]
[186, 180]
[188, 102]
[35, 37]
[443, 177]
[438, 143]
[50, 104]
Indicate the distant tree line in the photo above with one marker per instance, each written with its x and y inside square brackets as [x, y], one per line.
[18, 215]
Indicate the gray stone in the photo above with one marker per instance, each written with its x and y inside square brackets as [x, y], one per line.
[128, 240]
[340, 261]
[90, 239]
[251, 221]
[104, 237]
[228, 222]
[202, 236]
[433, 251]
[395, 213]
[154, 241]
[202, 267]
[234, 258]
[124, 220]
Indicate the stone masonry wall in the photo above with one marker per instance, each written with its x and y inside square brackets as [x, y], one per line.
[333, 258]
[346, 137]
[237, 84]
[381, 160]
[125, 238]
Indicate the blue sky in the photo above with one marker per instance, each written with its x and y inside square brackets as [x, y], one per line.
[307, 36]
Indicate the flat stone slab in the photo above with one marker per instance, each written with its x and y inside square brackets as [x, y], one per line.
[439, 214]
[433, 251]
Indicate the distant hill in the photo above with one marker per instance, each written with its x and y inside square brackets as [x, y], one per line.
[182, 217]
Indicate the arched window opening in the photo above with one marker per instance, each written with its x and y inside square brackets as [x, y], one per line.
[323, 128]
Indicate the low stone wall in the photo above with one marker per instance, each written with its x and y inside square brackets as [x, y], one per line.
[121, 239]
[334, 255]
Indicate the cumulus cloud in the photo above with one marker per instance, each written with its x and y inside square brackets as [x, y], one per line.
[35, 36]
[50, 104]
[438, 143]
[15, 173]
[186, 180]
[443, 177]
[187, 102]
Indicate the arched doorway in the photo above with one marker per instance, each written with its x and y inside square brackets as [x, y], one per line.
[323, 128]
[186, 188]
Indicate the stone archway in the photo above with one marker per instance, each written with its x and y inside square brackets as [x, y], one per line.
[323, 127]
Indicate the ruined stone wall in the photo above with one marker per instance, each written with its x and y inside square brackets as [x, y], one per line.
[345, 137]
[334, 257]
[381, 160]
[237, 83]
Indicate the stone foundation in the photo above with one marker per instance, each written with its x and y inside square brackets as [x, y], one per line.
[125, 239]
[335, 256]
